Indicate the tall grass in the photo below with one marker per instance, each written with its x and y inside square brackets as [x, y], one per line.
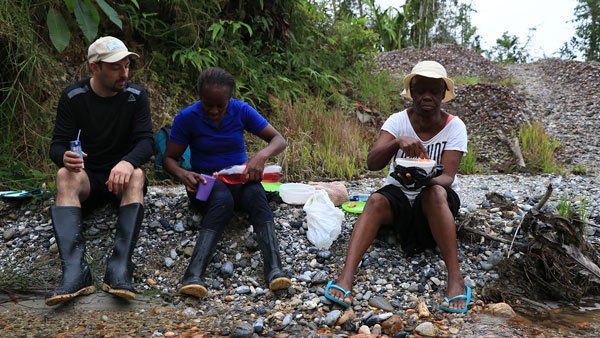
[538, 149]
[572, 208]
[27, 90]
[323, 143]
[468, 164]
[380, 92]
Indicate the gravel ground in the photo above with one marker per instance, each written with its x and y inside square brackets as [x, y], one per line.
[392, 293]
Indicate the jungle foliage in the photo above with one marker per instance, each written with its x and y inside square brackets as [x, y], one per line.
[289, 57]
[295, 60]
[587, 34]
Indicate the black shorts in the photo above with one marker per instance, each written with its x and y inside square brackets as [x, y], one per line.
[99, 194]
[410, 222]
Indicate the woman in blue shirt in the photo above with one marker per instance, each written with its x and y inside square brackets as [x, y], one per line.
[214, 128]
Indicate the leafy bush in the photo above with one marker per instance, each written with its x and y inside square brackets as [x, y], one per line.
[87, 17]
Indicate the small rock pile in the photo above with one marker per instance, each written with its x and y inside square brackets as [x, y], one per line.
[563, 95]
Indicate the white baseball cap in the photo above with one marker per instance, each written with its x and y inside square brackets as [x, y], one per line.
[108, 49]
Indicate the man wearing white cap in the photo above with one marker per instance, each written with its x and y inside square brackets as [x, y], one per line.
[419, 205]
[111, 120]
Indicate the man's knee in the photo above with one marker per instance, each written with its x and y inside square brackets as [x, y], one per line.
[70, 182]
[137, 180]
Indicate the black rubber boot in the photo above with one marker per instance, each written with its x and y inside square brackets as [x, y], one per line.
[76, 278]
[269, 247]
[193, 279]
[119, 268]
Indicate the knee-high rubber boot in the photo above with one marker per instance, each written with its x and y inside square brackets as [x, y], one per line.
[269, 247]
[193, 279]
[76, 278]
[119, 268]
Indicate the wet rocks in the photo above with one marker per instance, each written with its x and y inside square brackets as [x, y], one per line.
[500, 310]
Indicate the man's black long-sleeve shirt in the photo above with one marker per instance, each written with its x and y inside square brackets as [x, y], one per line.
[112, 128]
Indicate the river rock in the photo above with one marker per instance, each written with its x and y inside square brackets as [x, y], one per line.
[500, 310]
[380, 303]
[332, 317]
[426, 329]
[423, 310]
[242, 330]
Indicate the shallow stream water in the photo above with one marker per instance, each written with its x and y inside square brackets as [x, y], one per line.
[564, 321]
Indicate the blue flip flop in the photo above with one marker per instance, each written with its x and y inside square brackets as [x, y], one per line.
[329, 296]
[466, 296]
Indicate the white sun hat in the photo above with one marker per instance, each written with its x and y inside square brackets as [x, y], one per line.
[108, 49]
[432, 70]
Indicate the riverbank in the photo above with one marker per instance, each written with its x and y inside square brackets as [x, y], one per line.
[387, 283]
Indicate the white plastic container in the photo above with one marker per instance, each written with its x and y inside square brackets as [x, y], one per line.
[427, 165]
[295, 193]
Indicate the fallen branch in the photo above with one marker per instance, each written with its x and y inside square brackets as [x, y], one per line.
[545, 197]
[488, 236]
[513, 144]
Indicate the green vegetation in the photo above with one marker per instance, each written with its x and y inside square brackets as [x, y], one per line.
[538, 149]
[507, 82]
[466, 80]
[87, 17]
[572, 208]
[509, 49]
[468, 164]
[28, 87]
[579, 169]
[587, 33]
[290, 57]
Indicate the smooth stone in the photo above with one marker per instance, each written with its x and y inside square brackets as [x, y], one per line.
[188, 251]
[10, 234]
[378, 318]
[332, 317]
[168, 261]
[189, 311]
[346, 316]
[286, 321]
[486, 266]
[179, 227]
[320, 277]
[242, 330]
[227, 269]
[364, 330]
[426, 329]
[259, 325]
[500, 310]
[243, 289]
[380, 303]
[324, 254]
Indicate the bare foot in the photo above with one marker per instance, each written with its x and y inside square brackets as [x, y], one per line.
[455, 287]
[346, 285]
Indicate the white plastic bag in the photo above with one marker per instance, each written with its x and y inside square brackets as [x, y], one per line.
[323, 218]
